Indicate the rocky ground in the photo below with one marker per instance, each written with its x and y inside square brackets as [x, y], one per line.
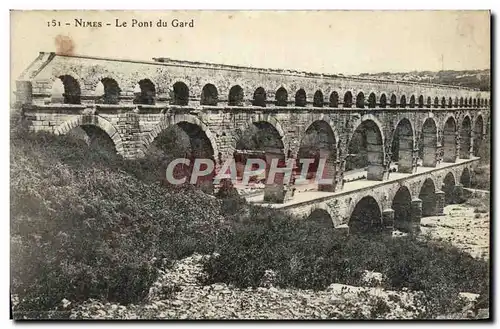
[462, 226]
[178, 295]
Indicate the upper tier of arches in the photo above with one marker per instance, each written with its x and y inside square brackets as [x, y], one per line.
[66, 89]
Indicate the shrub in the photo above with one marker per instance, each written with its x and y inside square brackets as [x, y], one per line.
[481, 205]
[308, 256]
[84, 225]
[481, 178]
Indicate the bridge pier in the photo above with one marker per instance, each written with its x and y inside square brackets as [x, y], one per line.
[429, 151]
[440, 202]
[416, 214]
[274, 191]
[388, 220]
[376, 168]
[458, 193]
[405, 161]
[329, 171]
[339, 185]
[375, 172]
[450, 146]
[342, 229]
[467, 152]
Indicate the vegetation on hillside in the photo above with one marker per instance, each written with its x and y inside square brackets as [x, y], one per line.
[480, 79]
[83, 225]
[87, 224]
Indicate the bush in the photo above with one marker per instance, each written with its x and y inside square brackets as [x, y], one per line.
[83, 225]
[305, 255]
[481, 178]
[480, 205]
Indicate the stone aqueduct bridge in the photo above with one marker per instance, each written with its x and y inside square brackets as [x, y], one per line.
[428, 130]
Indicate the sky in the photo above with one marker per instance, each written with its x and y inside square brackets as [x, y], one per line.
[347, 42]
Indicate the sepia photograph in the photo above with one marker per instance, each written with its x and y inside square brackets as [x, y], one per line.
[250, 165]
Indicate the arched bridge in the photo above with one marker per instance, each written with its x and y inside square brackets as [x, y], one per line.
[396, 136]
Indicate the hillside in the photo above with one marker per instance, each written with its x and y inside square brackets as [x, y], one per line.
[471, 78]
[88, 227]
[85, 224]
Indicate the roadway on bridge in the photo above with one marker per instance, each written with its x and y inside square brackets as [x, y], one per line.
[350, 187]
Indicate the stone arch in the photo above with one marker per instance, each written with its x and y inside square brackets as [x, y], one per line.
[443, 102]
[260, 125]
[145, 92]
[421, 101]
[393, 101]
[402, 146]
[428, 196]
[323, 217]
[429, 102]
[318, 99]
[412, 101]
[360, 100]
[266, 121]
[461, 102]
[319, 142]
[93, 120]
[366, 148]
[372, 101]
[259, 97]
[263, 140]
[271, 120]
[180, 94]
[436, 102]
[334, 99]
[325, 119]
[183, 136]
[470, 101]
[236, 96]
[177, 119]
[281, 98]
[474, 102]
[448, 188]
[402, 102]
[383, 101]
[478, 135]
[209, 95]
[366, 217]
[347, 100]
[66, 89]
[107, 91]
[57, 92]
[300, 98]
[449, 140]
[465, 138]
[401, 204]
[466, 102]
[465, 178]
[429, 143]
